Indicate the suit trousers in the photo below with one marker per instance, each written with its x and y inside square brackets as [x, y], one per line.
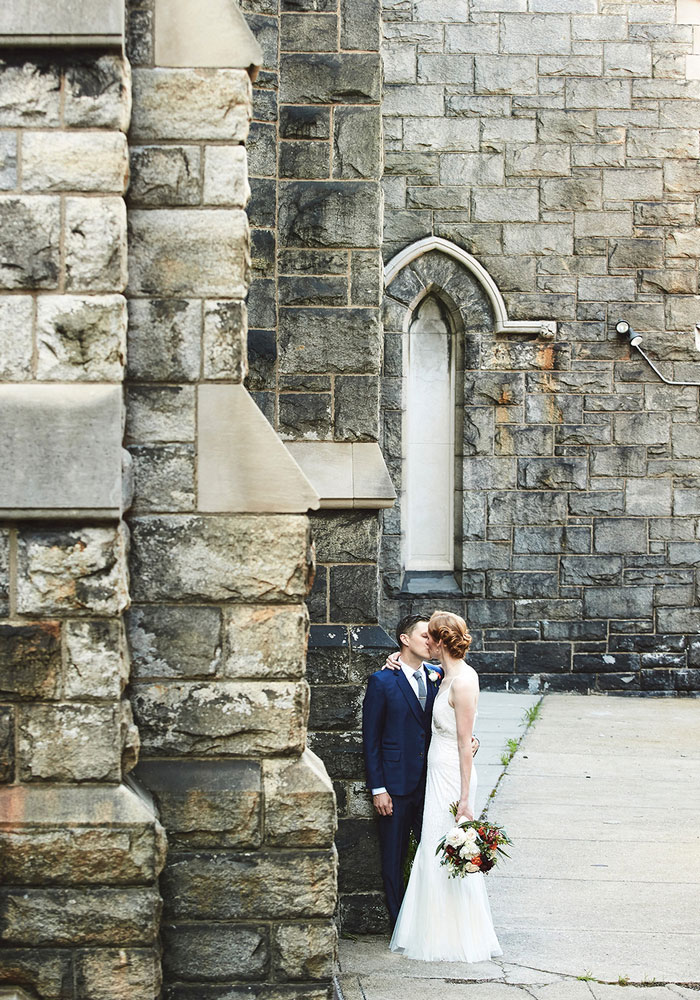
[394, 832]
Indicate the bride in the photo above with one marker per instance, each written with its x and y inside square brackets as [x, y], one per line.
[442, 918]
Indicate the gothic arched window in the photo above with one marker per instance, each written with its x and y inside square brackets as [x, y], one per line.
[429, 441]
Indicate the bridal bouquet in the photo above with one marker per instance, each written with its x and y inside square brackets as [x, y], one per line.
[471, 846]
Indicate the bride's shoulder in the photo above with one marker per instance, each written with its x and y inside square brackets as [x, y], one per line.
[467, 681]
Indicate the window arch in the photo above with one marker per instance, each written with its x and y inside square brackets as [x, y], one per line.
[442, 311]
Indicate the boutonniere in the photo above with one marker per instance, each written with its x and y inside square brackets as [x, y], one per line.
[433, 676]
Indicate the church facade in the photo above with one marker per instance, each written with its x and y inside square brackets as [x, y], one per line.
[314, 313]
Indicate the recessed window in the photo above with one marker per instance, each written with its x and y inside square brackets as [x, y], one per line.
[429, 441]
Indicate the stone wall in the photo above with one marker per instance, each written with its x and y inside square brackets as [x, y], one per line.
[80, 849]
[218, 627]
[558, 145]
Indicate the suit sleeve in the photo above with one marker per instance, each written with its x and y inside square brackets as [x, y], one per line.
[373, 714]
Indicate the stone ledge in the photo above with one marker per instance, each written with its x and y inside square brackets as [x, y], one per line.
[345, 474]
[69, 24]
[61, 453]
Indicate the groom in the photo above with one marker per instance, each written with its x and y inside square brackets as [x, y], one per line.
[396, 717]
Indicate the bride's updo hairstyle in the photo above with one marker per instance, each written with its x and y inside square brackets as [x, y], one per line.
[452, 631]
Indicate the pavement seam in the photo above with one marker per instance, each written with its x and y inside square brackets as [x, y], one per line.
[532, 715]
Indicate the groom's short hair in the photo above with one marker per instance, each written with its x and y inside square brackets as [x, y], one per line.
[407, 625]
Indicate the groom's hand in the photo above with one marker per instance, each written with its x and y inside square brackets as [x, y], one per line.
[383, 804]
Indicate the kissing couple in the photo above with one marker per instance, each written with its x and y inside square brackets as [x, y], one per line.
[417, 730]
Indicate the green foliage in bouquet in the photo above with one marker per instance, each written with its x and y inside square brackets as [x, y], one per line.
[472, 846]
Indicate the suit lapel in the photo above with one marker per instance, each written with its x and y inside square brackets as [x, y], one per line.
[410, 696]
[432, 692]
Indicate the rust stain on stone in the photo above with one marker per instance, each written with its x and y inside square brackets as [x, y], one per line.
[545, 356]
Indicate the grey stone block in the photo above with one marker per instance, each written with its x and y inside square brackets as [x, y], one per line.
[620, 535]
[309, 343]
[160, 413]
[648, 496]
[75, 161]
[359, 25]
[46, 427]
[163, 477]
[215, 953]
[642, 428]
[618, 602]
[582, 434]
[526, 508]
[227, 792]
[353, 593]
[488, 473]
[552, 473]
[4, 572]
[506, 205]
[577, 570]
[366, 278]
[164, 340]
[618, 461]
[552, 539]
[184, 251]
[96, 666]
[513, 439]
[95, 244]
[684, 554]
[224, 341]
[16, 341]
[327, 214]
[165, 175]
[170, 641]
[30, 662]
[299, 122]
[220, 718]
[309, 32]
[356, 143]
[543, 657]
[522, 585]
[81, 339]
[79, 572]
[571, 194]
[553, 408]
[490, 387]
[219, 558]
[29, 94]
[536, 33]
[186, 104]
[356, 408]
[345, 536]
[598, 502]
[305, 415]
[308, 160]
[85, 743]
[507, 75]
[350, 78]
[29, 241]
[312, 291]
[8, 161]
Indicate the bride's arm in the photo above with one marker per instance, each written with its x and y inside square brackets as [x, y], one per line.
[465, 694]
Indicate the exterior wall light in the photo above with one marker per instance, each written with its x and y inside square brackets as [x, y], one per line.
[635, 340]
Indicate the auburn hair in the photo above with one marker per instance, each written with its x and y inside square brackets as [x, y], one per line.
[452, 631]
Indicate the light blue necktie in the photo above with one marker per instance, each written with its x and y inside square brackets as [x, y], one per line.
[422, 694]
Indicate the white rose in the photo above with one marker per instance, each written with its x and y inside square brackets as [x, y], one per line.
[455, 837]
[471, 868]
[433, 676]
[471, 834]
[467, 850]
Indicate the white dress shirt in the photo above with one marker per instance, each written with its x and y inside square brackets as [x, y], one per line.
[410, 674]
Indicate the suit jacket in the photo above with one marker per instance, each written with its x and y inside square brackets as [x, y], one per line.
[395, 732]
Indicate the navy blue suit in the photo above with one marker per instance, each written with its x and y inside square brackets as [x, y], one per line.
[396, 736]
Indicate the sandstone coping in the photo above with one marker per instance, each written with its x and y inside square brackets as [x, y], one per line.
[345, 474]
[61, 452]
[71, 23]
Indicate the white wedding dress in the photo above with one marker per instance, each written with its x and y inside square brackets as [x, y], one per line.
[441, 918]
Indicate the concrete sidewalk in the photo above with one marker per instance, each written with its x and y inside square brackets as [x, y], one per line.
[602, 802]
